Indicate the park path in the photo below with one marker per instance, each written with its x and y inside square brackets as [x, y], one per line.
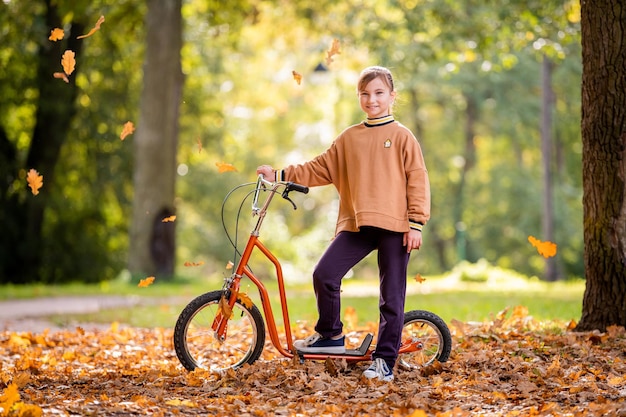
[32, 314]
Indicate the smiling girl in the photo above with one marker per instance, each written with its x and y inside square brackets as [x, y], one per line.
[378, 170]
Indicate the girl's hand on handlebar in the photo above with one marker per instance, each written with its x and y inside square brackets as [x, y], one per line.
[268, 172]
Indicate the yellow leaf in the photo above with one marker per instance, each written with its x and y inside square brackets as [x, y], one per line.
[146, 282]
[546, 249]
[62, 76]
[419, 278]
[224, 167]
[9, 397]
[245, 300]
[199, 145]
[128, 129]
[297, 76]
[334, 50]
[168, 219]
[94, 29]
[34, 180]
[56, 34]
[68, 61]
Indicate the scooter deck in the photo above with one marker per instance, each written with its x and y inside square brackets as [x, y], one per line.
[361, 351]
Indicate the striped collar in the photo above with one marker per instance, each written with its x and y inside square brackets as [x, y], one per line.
[379, 121]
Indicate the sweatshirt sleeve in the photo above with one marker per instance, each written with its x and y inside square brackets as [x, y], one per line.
[321, 170]
[418, 186]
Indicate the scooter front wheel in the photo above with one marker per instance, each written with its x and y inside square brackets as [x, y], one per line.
[425, 338]
[195, 341]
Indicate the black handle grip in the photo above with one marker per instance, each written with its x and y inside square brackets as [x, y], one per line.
[297, 187]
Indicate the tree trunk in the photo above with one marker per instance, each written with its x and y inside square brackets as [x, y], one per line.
[21, 240]
[603, 125]
[152, 241]
[551, 273]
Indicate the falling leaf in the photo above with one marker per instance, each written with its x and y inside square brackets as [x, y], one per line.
[188, 263]
[34, 180]
[330, 367]
[56, 34]
[419, 278]
[68, 62]
[62, 76]
[224, 167]
[146, 282]
[168, 219]
[94, 29]
[334, 50]
[128, 129]
[199, 145]
[297, 76]
[230, 265]
[546, 249]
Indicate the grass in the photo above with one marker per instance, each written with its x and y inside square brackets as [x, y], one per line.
[453, 296]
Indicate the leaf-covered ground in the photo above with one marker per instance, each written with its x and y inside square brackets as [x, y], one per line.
[511, 366]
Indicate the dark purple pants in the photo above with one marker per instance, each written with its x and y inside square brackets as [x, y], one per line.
[345, 251]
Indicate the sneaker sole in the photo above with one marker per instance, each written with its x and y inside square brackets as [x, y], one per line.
[329, 349]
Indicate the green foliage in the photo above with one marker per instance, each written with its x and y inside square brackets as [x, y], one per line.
[241, 103]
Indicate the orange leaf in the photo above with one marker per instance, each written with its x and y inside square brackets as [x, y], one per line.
[230, 265]
[168, 219]
[34, 180]
[199, 145]
[546, 249]
[9, 397]
[297, 76]
[224, 308]
[188, 263]
[94, 29]
[62, 76]
[334, 50]
[68, 61]
[224, 167]
[56, 34]
[419, 278]
[146, 282]
[245, 300]
[128, 129]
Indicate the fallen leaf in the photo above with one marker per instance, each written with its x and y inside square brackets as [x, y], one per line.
[34, 180]
[68, 61]
[224, 167]
[56, 34]
[334, 50]
[62, 76]
[146, 282]
[297, 76]
[168, 219]
[94, 29]
[546, 249]
[9, 397]
[128, 129]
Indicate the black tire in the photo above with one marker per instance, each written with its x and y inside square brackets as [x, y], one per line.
[433, 335]
[196, 345]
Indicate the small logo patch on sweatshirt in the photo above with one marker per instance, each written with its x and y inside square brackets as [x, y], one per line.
[388, 143]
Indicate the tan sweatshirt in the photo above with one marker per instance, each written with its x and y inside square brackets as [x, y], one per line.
[380, 175]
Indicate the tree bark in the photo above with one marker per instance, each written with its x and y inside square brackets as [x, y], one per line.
[603, 126]
[547, 226]
[152, 241]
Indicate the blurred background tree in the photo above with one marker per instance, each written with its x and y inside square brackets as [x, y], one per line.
[470, 82]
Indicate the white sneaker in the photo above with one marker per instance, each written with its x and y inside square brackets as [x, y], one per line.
[379, 369]
[319, 344]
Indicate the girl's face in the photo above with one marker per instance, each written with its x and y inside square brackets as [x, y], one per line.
[376, 98]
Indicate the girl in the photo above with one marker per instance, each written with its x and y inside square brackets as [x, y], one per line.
[378, 169]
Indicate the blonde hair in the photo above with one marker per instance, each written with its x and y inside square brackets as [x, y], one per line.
[370, 73]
